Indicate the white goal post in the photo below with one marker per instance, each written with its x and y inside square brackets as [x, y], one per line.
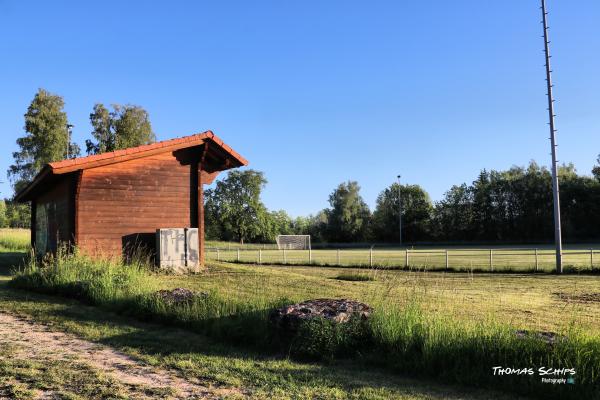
[293, 242]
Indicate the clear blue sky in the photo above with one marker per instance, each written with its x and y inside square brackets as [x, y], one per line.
[314, 93]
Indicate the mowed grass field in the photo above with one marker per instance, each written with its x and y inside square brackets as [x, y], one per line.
[578, 258]
[538, 302]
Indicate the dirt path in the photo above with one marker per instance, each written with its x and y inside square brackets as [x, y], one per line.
[37, 342]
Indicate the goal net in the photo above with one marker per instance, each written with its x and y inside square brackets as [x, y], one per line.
[293, 242]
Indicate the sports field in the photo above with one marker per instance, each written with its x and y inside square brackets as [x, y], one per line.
[581, 258]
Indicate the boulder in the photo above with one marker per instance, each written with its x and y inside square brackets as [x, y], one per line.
[179, 295]
[289, 318]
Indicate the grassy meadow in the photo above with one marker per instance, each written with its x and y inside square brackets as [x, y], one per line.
[453, 328]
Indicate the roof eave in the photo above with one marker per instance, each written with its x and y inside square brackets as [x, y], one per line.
[22, 197]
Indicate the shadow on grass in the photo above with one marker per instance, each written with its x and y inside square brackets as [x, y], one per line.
[9, 261]
[191, 353]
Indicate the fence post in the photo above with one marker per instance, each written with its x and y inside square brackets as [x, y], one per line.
[406, 258]
[218, 256]
[447, 260]
[310, 256]
[338, 257]
[536, 260]
[592, 259]
[238, 254]
[284, 257]
[492, 260]
[259, 256]
[371, 257]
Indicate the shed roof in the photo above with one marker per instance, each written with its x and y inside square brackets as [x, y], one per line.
[97, 160]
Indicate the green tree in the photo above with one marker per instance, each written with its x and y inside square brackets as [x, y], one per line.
[596, 169]
[234, 205]
[416, 214]
[348, 218]
[18, 214]
[119, 128]
[3, 216]
[453, 215]
[276, 223]
[45, 140]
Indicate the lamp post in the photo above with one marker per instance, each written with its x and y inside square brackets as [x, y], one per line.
[69, 126]
[399, 212]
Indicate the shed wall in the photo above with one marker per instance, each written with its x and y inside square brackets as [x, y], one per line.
[53, 217]
[120, 203]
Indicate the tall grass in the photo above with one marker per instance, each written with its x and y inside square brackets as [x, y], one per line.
[400, 338]
[131, 289]
[14, 239]
[440, 347]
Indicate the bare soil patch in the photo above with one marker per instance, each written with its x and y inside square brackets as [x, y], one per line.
[37, 342]
[579, 297]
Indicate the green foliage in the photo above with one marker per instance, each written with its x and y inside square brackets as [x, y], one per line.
[596, 169]
[233, 208]
[18, 215]
[354, 277]
[348, 218]
[45, 140]
[119, 128]
[416, 214]
[516, 205]
[3, 216]
[276, 223]
[322, 339]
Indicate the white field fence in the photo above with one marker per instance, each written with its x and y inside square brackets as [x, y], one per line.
[497, 259]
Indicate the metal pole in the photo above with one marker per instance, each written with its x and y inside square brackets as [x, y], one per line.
[218, 257]
[555, 190]
[284, 256]
[536, 260]
[491, 260]
[310, 256]
[69, 126]
[259, 256]
[406, 258]
[371, 257]
[399, 212]
[238, 255]
[592, 259]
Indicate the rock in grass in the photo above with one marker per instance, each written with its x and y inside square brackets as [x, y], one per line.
[289, 318]
[179, 295]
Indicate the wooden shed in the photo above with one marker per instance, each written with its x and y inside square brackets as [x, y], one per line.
[103, 203]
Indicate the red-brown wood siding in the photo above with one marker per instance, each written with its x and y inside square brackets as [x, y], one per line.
[131, 198]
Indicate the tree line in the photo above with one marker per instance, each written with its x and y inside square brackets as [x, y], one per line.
[513, 206]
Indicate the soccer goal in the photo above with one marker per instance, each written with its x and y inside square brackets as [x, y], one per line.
[293, 242]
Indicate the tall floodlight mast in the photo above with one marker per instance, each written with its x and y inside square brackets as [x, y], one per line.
[555, 192]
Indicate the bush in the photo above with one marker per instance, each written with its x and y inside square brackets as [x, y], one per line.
[356, 277]
[322, 339]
